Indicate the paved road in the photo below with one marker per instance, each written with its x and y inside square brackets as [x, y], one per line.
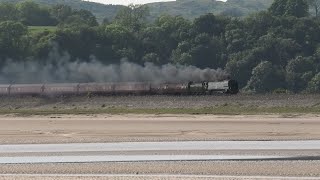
[160, 146]
[46, 153]
[128, 158]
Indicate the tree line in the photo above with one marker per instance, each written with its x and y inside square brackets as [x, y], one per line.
[277, 49]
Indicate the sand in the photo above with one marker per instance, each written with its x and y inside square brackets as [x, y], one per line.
[112, 128]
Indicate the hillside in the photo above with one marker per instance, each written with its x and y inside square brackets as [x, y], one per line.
[194, 8]
[187, 8]
[101, 11]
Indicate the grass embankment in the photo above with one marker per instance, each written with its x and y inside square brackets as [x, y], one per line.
[40, 29]
[219, 110]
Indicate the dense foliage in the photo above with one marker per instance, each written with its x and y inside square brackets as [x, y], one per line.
[267, 51]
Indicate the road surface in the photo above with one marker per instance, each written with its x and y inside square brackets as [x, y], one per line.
[159, 151]
[161, 146]
[219, 159]
[99, 146]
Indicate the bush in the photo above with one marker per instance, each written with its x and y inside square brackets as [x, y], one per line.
[281, 91]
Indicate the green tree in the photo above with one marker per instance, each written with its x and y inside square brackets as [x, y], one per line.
[80, 19]
[123, 41]
[314, 84]
[236, 37]
[61, 12]
[306, 33]
[299, 72]
[8, 12]
[181, 54]
[120, 35]
[79, 43]
[31, 14]
[265, 78]
[241, 64]
[42, 44]
[175, 27]
[210, 24]
[278, 7]
[317, 52]
[153, 41]
[207, 52]
[165, 35]
[87, 16]
[151, 58]
[315, 4]
[133, 16]
[12, 39]
[277, 49]
[297, 8]
[259, 24]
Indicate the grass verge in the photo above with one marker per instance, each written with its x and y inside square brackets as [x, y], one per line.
[219, 110]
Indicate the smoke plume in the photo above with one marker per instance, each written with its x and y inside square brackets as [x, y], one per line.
[58, 68]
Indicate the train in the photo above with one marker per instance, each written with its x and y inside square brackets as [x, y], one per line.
[141, 88]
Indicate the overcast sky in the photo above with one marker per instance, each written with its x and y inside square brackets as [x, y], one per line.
[126, 2]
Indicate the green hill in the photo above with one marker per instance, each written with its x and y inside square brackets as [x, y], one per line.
[186, 8]
[194, 8]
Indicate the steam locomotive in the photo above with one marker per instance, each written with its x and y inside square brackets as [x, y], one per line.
[141, 88]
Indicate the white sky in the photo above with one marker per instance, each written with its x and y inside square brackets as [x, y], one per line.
[127, 2]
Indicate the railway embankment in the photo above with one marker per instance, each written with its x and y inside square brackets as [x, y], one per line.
[218, 104]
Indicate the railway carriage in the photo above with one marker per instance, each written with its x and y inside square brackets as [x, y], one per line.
[169, 88]
[132, 88]
[26, 89]
[191, 88]
[96, 88]
[4, 89]
[61, 89]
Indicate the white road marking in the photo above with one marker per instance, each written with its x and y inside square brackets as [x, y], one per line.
[126, 158]
[159, 176]
[159, 146]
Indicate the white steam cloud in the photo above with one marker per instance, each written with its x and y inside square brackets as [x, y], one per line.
[59, 69]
